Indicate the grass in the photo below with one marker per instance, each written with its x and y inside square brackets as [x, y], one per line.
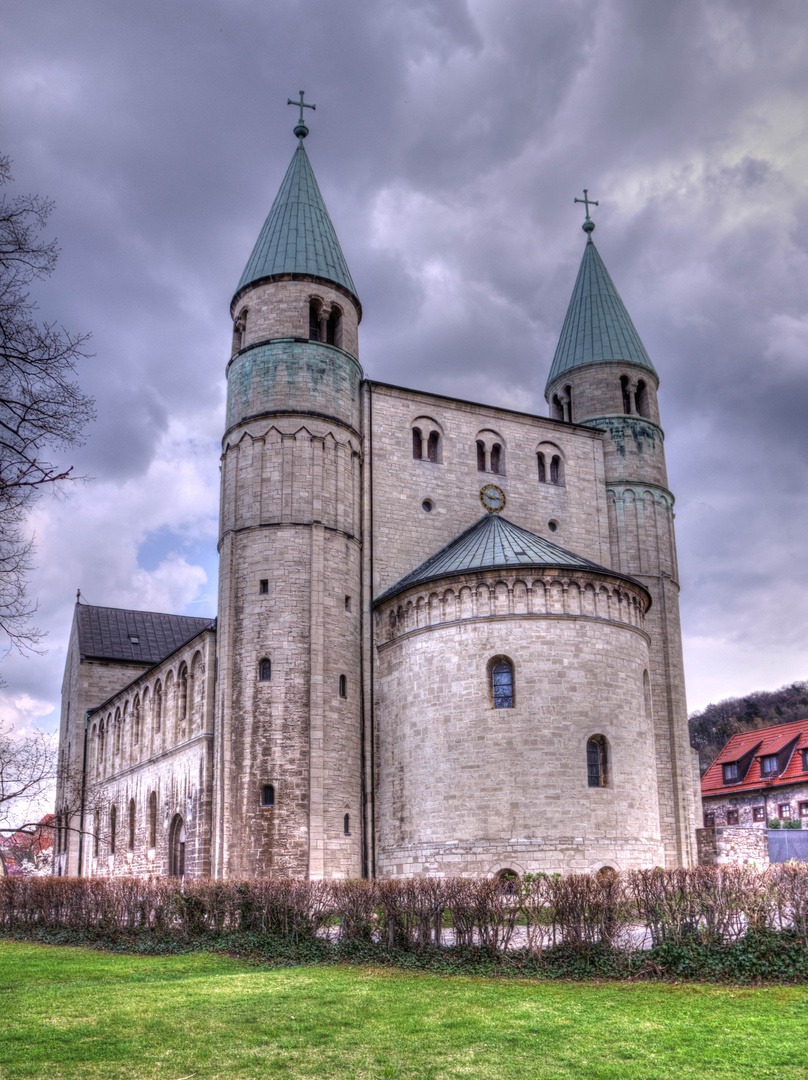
[75, 1012]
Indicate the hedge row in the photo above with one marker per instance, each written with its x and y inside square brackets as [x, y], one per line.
[706, 905]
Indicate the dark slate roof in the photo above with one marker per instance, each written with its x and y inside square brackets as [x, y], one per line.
[763, 741]
[298, 236]
[143, 637]
[492, 543]
[597, 325]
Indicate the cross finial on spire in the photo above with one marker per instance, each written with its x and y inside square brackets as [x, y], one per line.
[300, 128]
[589, 225]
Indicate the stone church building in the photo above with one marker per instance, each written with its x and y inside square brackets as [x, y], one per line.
[448, 634]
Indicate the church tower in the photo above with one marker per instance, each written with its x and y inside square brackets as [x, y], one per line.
[602, 376]
[287, 799]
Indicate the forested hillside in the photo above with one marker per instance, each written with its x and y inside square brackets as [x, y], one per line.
[710, 728]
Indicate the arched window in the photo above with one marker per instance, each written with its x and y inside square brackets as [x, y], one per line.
[153, 820]
[346, 825]
[264, 670]
[100, 758]
[480, 456]
[596, 762]
[268, 795]
[417, 446]
[333, 330]
[131, 844]
[343, 686]
[641, 398]
[113, 827]
[314, 321]
[558, 408]
[626, 394]
[176, 848]
[542, 468]
[502, 683]
[508, 882]
[136, 722]
[433, 447]
[96, 834]
[158, 707]
[555, 469]
[496, 458]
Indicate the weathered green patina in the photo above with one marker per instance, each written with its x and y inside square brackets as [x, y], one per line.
[597, 326]
[293, 377]
[298, 236]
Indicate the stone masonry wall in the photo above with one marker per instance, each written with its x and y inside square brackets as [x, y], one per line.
[153, 736]
[732, 845]
[463, 788]
[404, 534]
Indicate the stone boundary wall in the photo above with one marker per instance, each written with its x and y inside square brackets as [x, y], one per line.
[732, 845]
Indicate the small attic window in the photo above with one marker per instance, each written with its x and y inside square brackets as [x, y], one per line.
[135, 640]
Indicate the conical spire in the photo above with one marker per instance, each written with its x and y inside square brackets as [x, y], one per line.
[492, 543]
[298, 236]
[597, 325]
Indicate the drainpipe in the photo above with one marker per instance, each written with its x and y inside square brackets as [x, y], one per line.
[83, 790]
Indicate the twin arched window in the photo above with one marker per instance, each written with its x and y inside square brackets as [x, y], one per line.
[426, 447]
[635, 398]
[550, 465]
[490, 452]
[562, 405]
[325, 323]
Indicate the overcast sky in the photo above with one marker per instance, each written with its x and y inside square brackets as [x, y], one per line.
[449, 141]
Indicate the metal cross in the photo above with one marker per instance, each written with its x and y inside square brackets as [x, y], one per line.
[303, 105]
[585, 200]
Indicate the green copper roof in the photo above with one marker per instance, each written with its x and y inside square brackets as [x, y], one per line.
[298, 237]
[492, 543]
[597, 326]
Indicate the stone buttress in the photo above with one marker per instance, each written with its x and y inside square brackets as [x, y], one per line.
[602, 376]
[287, 798]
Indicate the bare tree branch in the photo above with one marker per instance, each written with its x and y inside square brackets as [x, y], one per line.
[42, 408]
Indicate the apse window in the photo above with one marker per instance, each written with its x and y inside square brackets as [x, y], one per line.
[502, 683]
[596, 762]
[268, 795]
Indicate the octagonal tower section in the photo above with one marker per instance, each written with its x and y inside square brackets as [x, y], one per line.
[288, 794]
[602, 376]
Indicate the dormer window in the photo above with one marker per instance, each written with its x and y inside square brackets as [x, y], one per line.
[768, 765]
[732, 774]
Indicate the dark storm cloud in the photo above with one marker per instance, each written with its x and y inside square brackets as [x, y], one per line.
[449, 140]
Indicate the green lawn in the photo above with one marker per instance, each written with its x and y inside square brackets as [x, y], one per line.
[70, 1012]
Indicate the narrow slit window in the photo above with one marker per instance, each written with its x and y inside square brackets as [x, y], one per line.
[417, 449]
[555, 469]
[265, 671]
[343, 686]
[542, 468]
[596, 762]
[480, 456]
[346, 825]
[113, 823]
[153, 819]
[502, 684]
[268, 795]
[131, 844]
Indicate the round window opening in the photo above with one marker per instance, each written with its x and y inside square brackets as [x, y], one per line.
[426, 506]
[552, 525]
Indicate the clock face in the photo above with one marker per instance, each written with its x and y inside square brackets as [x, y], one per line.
[493, 498]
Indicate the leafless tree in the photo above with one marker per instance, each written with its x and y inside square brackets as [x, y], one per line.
[42, 409]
